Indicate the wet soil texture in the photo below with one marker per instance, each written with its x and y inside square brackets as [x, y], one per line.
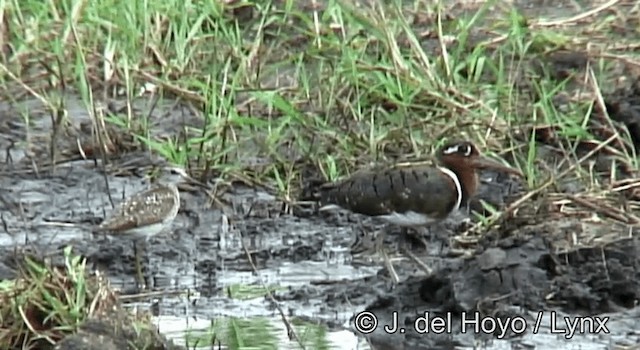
[546, 277]
[523, 283]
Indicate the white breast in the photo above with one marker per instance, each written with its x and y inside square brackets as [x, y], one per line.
[408, 219]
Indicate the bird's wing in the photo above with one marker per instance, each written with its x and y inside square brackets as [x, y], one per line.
[400, 189]
[143, 208]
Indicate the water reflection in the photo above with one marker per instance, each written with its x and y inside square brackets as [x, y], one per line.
[271, 330]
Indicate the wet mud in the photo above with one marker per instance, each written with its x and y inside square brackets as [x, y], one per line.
[529, 265]
[113, 330]
[513, 273]
[535, 267]
[525, 285]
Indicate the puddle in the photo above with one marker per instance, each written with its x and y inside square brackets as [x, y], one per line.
[312, 336]
[200, 273]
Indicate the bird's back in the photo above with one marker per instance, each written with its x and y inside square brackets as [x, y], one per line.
[422, 189]
[153, 206]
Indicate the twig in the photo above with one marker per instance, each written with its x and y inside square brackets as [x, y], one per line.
[424, 267]
[609, 211]
[290, 331]
[559, 22]
[97, 118]
[316, 23]
[497, 215]
[624, 185]
[577, 17]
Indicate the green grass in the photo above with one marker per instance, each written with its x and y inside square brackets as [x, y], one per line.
[254, 333]
[336, 89]
[46, 303]
[291, 89]
[244, 292]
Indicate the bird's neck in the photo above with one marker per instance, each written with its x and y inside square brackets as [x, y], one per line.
[173, 187]
[468, 179]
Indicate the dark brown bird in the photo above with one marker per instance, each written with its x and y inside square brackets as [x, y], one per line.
[413, 195]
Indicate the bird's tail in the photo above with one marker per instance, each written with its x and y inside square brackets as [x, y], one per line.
[313, 190]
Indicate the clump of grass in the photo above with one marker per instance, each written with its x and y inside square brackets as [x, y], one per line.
[282, 87]
[291, 90]
[334, 86]
[46, 303]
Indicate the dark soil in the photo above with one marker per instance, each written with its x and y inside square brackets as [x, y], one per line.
[542, 264]
[525, 265]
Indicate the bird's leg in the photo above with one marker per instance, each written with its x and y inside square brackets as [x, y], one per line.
[380, 248]
[407, 237]
[421, 232]
[406, 249]
[424, 267]
[139, 276]
[389, 266]
[379, 240]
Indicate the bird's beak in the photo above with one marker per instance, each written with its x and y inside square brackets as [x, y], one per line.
[486, 163]
[192, 181]
[185, 178]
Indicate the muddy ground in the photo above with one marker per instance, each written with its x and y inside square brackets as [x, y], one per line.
[523, 271]
[528, 270]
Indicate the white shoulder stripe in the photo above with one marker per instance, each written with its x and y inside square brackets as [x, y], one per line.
[456, 182]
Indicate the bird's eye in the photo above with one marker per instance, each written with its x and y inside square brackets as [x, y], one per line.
[177, 171]
[466, 150]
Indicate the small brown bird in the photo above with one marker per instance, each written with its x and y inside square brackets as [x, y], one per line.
[147, 213]
[413, 195]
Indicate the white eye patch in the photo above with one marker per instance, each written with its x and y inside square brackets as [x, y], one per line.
[451, 149]
[464, 149]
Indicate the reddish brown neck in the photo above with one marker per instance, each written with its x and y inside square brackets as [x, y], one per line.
[468, 178]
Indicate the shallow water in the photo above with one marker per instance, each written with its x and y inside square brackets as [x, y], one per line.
[202, 263]
[175, 328]
[198, 270]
